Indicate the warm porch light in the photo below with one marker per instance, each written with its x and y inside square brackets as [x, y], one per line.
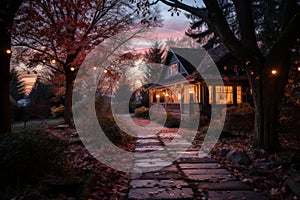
[191, 91]
[72, 69]
[53, 61]
[157, 96]
[274, 71]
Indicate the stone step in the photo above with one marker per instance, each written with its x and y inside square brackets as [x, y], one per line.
[235, 195]
[161, 193]
[225, 186]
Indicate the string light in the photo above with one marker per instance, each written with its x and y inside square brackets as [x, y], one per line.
[8, 51]
[53, 61]
[299, 69]
[95, 68]
[274, 71]
[72, 69]
[105, 71]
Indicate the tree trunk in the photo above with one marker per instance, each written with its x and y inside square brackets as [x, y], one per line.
[68, 100]
[5, 125]
[266, 101]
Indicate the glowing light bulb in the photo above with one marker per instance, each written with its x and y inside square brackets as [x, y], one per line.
[299, 69]
[8, 51]
[274, 72]
[72, 69]
[105, 71]
[53, 61]
[95, 68]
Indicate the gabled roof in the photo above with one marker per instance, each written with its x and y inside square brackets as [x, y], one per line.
[205, 61]
[218, 53]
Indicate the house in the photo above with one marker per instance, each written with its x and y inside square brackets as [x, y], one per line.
[194, 77]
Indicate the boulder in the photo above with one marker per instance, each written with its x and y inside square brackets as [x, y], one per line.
[239, 157]
[224, 152]
[293, 182]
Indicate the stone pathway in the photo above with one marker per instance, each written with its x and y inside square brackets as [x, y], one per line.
[189, 177]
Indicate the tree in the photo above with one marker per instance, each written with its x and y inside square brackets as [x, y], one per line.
[16, 85]
[153, 58]
[59, 34]
[39, 98]
[8, 9]
[268, 68]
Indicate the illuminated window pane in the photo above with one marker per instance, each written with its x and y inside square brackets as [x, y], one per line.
[239, 94]
[210, 94]
[224, 95]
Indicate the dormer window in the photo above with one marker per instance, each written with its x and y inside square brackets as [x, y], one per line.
[173, 69]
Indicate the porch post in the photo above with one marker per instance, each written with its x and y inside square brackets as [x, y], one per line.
[182, 97]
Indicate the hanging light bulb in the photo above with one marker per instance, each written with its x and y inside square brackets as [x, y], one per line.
[8, 51]
[274, 71]
[72, 69]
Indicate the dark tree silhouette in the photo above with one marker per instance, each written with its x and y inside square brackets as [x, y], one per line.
[16, 85]
[8, 9]
[153, 58]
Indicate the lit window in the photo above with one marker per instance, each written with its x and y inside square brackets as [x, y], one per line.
[224, 94]
[210, 92]
[239, 94]
[174, 69]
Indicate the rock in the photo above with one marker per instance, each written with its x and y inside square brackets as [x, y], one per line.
[295, 167]
[224, 152]
[293, 182]
[238, 157]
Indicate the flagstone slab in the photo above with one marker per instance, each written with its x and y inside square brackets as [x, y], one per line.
[236, 195]
[159, 193]
[152, 155]
[157, 175]
[151, 164]
[199, 166]
[205, 171]
[225, 186]
[158, 183]
[196, 160]
[152, 160]
[148, 148]
[211, 178]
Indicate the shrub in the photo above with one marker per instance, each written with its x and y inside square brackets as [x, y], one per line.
[141, 112]
[169, 119]
[57, 111]
[240, 117]
[26, 156]
[241, 109]
[105, 119]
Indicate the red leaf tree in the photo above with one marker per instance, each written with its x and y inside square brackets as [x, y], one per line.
[59, 34]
